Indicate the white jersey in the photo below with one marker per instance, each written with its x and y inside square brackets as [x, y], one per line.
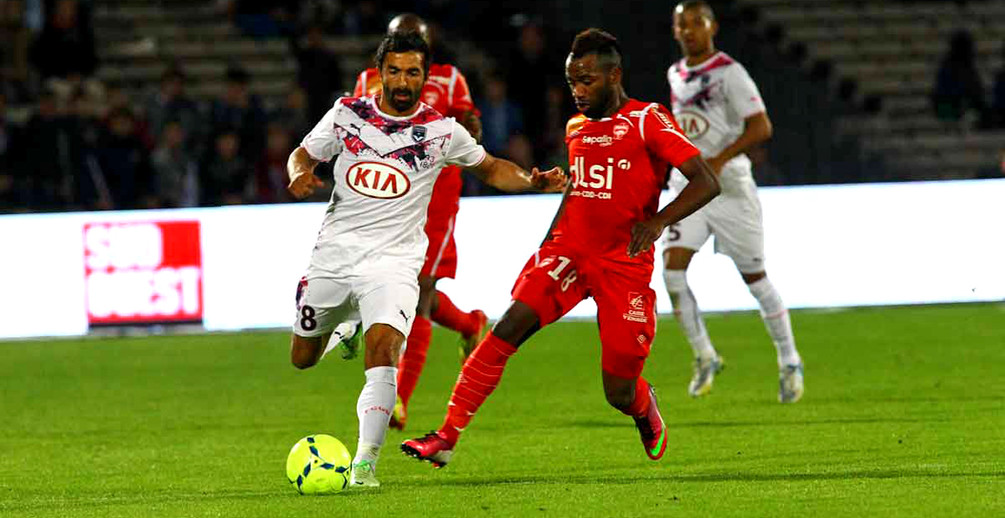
[710, 102]
[383, 178]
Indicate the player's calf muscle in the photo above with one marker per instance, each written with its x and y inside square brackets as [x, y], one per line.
[620, 393]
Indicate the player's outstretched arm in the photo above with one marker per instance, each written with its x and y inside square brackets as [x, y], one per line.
[507, 176]
[300, 168]
[472, 123]
[701, 188]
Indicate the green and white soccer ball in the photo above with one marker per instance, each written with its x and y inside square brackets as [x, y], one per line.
[318, 465]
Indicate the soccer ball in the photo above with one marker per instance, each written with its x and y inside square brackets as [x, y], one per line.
[318, 465]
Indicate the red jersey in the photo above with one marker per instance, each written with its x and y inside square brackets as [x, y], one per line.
[619, 165]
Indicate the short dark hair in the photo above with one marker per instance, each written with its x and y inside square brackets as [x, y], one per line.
[398, 42]
[706, 10]
[601, 43]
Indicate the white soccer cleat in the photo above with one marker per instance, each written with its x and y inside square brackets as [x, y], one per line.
[364, 474]
[705, 370]
[790, 383]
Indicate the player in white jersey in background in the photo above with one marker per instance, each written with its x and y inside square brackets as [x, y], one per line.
[362, 277]
[721, 111]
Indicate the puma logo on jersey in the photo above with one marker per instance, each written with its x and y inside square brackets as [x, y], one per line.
[377, 180]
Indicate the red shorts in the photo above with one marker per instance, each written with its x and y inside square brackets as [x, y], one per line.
[555, 279]
[441, 254]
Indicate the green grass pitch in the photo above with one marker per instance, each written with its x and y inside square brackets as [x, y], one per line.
[904, 415]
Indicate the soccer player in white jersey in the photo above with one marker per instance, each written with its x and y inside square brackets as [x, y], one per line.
[721, 111]
[361, 283]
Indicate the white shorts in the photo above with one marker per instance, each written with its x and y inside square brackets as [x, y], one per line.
[377, 294]
[734, 218]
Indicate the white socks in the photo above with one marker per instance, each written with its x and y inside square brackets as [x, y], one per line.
[687, 313]
[376, 401]
[776, 320]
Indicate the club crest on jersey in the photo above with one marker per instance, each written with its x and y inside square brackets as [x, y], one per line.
[693, 124]
[377, 180]
[620, 130]
[418, 133]
[430, 97]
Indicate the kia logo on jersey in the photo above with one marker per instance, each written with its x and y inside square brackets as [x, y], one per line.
[693, 124]
[620, 130]
[377, 180]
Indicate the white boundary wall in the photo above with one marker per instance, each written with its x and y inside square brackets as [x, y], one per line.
[826, 246]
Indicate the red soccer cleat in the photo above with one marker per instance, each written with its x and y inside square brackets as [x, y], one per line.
[652, 429]
[432, 447]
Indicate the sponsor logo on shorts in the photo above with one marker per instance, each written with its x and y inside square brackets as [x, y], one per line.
[636, 308]
[377, 180]
[301, 292]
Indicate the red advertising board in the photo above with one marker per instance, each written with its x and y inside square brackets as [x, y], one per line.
[143, 272]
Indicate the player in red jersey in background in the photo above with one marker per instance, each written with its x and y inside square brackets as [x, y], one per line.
[600, 246]
[447, 92]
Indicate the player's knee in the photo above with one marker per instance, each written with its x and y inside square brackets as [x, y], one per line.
[516, 325]
[751, 278]
[383, 345]
[676, 280]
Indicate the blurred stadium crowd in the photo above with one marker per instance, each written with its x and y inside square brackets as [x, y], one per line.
[131, 104]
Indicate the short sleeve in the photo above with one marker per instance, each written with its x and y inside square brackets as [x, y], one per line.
[360, 89]
[460, 95]
[742, 93]
[663, 137]
[463, 150]
[323, 142]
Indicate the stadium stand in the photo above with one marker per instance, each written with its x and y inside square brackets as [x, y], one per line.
[137, 40]
[891, 52]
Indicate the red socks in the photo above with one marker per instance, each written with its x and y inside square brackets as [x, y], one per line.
[639, 407]
[411, 363]
[478, 378]
[447, 315]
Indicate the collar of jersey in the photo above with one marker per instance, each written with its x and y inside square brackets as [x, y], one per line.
[688, 68]
[616, 115]
[376, 106]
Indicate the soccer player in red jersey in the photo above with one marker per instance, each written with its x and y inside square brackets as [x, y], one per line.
[600, 246]
[447, 92]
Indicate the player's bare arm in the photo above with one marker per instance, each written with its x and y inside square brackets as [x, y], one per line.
[558, 213]
[507, 176]
[472, 123]
[757, 129]
[701, 188]
[300, 168]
